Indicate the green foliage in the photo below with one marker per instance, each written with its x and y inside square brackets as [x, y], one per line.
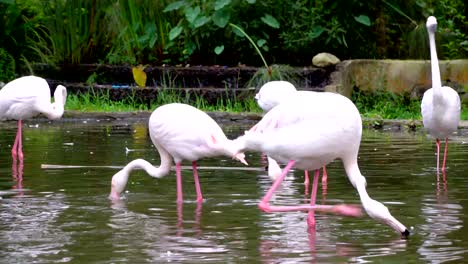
[197, 32]
[386, 105]
[7, 66]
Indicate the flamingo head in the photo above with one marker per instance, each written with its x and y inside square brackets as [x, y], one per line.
[431, 24]
[380, 212]
[118, 183]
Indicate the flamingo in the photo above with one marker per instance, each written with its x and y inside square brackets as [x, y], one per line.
[27, 97]
[179, 132]
[311, 130]
[270, 95]
[440, 106]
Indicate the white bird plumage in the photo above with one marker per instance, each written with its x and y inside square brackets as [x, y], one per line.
[311, 130]
[179, 132]
[440, 106]
[27, 97]
[274, 92]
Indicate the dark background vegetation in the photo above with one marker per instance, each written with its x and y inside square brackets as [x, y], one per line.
[198, 32]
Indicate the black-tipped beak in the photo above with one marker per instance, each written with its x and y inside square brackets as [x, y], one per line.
[405, 234]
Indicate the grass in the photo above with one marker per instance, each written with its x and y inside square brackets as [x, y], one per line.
[387, 105]
[101, 102]
[376, 105]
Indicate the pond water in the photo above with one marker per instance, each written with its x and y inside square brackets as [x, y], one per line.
[64, 215]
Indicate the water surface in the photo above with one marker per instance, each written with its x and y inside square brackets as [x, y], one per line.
[64, 215]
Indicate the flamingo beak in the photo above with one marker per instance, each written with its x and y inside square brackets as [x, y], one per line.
[241, 157]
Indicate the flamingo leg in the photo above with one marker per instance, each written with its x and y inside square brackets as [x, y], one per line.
[438, 150]
[17, 150]
[306, 182]
[197, 182]
[180, 197]
[313, 199]
[264, 205]
[445, 154]
[324, 176]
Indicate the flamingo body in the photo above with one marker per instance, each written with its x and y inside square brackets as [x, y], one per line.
[179, 132]
[308, 131]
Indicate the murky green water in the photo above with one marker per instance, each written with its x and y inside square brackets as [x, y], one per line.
[63, 215]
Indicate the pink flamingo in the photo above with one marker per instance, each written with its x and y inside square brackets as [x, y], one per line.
[440, 106]
[270, 95]
[179, 132]
[311, 130]
[27, 97]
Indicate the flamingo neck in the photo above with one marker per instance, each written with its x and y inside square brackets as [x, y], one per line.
[120, 179]
[435, 71]
[58, 106]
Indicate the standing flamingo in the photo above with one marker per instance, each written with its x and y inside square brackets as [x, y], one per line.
[322, 127]
[179, 132]
[440, 106]
[27, 97]
[270, 95]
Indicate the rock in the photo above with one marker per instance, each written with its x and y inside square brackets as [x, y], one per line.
[325, 59]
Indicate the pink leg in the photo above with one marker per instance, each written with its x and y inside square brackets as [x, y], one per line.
[180, 197]
[337, 209]
[445, 154]
[324, 176]
[438, 150]
[17, 149]
[306, 182]
[313, 199]
[197, 182]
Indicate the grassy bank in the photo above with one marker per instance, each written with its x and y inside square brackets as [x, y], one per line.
[377, 105]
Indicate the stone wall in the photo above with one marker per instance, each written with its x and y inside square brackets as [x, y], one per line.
[398, 76]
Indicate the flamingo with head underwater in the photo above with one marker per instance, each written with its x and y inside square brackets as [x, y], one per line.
[440, 106]
[179, 132]
[311, 130]
[270, 95]
[27, 97]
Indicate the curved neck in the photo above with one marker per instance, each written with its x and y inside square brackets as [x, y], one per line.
[435, 71]
[56, 109]
[357, 180]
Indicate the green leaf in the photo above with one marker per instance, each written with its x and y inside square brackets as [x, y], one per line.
[174, 6]
[200, 21]
[191, 13]
[219, 49]
[175, 32]
[221, 3]
[316, 32]
[261, 42]
[271, 21]
[363, 20]
[238, 32]
[221, 17]
[251, 1]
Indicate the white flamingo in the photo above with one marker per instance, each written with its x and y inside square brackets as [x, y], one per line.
[27, 97]
[440, 106]
[179, 132]
[323, 127]
[270, 95]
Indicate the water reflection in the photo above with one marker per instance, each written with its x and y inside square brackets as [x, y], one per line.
[51, 215]
[442, 217]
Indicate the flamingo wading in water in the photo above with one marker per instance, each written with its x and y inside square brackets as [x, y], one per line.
[179, 132]
[440, 106]
[323, 127]
[26, 97]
